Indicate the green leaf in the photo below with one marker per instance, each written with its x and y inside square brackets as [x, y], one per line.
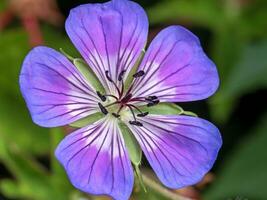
[163, 109]
[17, 128]
[3, 5]
[87, 120]
[132, 145]
[206, 13]
[88, 74]
[249, 74]
[244, 172]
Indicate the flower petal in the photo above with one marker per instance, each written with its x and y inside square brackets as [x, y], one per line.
[55, 92]
[180, 149]
[96, 160]
[109, 36]
[176, 68]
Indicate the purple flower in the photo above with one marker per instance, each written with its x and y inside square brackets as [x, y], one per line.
[111, 37]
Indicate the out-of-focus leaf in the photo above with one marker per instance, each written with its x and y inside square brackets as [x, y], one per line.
[206, 13]
[56, 39]
[14, 47]
[244, 173]
[2, 4]
[226, 48]
[31, 178]
[59, 178]
[32, 181]
[249, 74]
[17, 128]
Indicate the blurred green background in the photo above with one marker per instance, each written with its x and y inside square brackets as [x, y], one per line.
[234, 35]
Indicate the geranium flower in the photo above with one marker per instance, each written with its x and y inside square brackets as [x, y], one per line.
[111, 37]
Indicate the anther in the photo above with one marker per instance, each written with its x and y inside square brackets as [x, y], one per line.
[108, 77]
[103, 109]
[136, 123]
[139, 74]
[102, 97]
[142, 114]
[116, 115]
[121, 75]
[151, 98]
[153, 103]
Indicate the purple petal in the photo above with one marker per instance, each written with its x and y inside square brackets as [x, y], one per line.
[109, 36]
[96, 160]
[55, 92]
[180, 149]
[176, 68]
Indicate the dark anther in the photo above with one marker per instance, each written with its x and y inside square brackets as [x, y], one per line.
[153, 103]
[121, 75]
[142, 114]
[139, 74]
[116, 115]
[151, 98]
[103, 109]
[102, 97]
[136, 123]
[108, 77]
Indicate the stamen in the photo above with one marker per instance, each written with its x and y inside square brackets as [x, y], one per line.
[102, 97]
[151, 98]
[143, 114]
[132, 113]
[116, 115]
[111, 104]
[139, 74]
[108, 77]
[153, 103]
[110, 95]
[103, 109]
[136, 123]
[121, 75]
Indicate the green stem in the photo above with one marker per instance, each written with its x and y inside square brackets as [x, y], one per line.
[162, 190]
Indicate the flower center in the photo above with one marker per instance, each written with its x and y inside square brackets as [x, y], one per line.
[122, 100]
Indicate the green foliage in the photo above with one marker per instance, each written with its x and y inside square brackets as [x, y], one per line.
[249, 74]
[244, 172]
[32, 180]
[205, 13]
[2, 5]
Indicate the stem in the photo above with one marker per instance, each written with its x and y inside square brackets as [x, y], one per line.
[162, 190]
